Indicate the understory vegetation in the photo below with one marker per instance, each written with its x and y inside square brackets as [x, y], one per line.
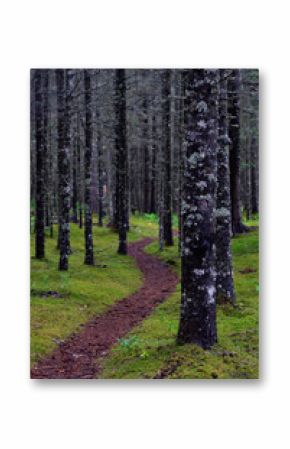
[62, 301]
[150, 350]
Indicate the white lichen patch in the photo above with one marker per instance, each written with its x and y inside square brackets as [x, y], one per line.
[201, 185]
[211, 294]
[222, 212]
[201, 106]
[202, 124]
[193, 159]
[198, 271]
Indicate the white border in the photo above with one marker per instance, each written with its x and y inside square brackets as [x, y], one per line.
[144, 34]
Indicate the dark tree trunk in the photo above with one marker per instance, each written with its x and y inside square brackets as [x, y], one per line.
[100, 178]
[146, 163]
[168, 235]
[234, 135]
[75, 187]
[153, 174]
[121, 149]
[40, 160]
[63, 169]
[79, 175]
[198, 300]
[254, 190]
[116, 199]
[45, 80]
[224, 281]
[89, 253]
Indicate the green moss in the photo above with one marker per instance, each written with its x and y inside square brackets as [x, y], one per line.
[82, 291]
[150, 349]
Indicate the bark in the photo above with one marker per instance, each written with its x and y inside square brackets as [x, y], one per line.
[234, 135]
[100, 181]
[121, 150]
[198, 301]
[75, 187]
[89, 247]
[45, 84]
[40, 188]
[63, 169]
[254, 190]
[146, 162]
[224, 280]
[167, 191]
[153, 174]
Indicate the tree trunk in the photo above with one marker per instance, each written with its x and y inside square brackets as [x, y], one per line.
[75, 187]
[153, 171]
[168, 235]
[234, 135]
[224, 281]
[40, 188]
[89, 250]
[254, 192]
[63, 169]
[121, 149]
[198, 300]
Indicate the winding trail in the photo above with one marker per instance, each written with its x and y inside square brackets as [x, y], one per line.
[77, 357]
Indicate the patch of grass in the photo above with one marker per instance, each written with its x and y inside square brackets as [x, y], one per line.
[146, 225]
[151, 349]
[143, 226]
[62, 301]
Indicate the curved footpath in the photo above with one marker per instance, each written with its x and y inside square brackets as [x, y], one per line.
[77, 357]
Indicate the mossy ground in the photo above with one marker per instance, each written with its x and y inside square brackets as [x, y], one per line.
[150, 349]
[82, 291]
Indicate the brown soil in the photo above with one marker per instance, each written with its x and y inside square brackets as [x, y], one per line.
[77, 357]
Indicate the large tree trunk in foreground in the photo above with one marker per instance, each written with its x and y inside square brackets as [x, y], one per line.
[63, 169]
[234, 86]
[168, 235]
[198, 300]
[121, 149]
[40, 166]
[89, 253]
[224, 281]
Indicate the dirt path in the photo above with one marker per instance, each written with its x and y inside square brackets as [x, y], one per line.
[77, 357]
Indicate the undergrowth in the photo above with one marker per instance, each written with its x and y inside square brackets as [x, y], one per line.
[62, 301]
[150, 349]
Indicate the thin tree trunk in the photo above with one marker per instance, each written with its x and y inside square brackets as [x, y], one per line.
[63, 169]
[100, 177]
[75, 186]
[168, 235]
[40, 188]
[121, 149]
[153, 171]
[89, 248]
[254, 194]
[224, 281]
[234, 135]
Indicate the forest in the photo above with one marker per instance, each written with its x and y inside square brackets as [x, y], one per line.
[144, 223]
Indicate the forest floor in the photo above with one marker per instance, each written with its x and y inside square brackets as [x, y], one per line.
[63, 302]
[150, 350]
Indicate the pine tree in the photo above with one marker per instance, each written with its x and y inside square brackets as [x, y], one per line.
[63, 168]
[234, 86]
[167, 191]
[198, 299]
[89, 246]
[121, 150]
[40, 166]
[224, 281]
